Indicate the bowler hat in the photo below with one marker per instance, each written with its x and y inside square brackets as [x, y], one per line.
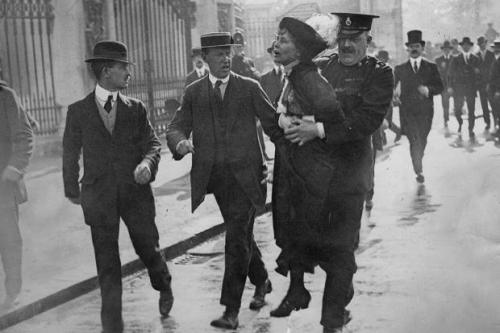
[446, 45]
[305, 36]
[415, 36]
[481, 40]
[354, 23]
[216, 39]
[466, 40]
[108, 50]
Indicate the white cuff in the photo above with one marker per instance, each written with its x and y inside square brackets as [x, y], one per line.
[321, 130]
[283, 121]
[178, 144]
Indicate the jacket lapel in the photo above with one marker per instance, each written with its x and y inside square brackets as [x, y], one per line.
[93, 115]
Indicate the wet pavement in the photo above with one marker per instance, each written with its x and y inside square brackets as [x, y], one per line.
[429, 259]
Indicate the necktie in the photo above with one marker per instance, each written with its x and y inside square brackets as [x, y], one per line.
[218, 93]
[415, 67]
[108, 106]
[466, 56]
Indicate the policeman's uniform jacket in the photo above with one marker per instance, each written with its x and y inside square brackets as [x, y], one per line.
[365, 94]
[16, 144]
[109, 158]
[244, 66]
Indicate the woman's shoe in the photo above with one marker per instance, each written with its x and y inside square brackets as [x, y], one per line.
[292, 302]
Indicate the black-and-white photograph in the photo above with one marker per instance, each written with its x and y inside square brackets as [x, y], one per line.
[249, 166]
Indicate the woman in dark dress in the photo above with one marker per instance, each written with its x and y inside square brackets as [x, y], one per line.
[302, 172]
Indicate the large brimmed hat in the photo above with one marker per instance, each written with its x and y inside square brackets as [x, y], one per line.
[108, 50]
[305, 35]
[446, 45]
[414, 37]
[352, 24]
[466, 40]
[216, 39]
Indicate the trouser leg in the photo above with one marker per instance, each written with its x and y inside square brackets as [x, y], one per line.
[458, 103]
[471, 107]
[242, 257]
[445, 102]
[11, 248]
[105, 240]
[341, 264]
[483, 96]
[139, 217]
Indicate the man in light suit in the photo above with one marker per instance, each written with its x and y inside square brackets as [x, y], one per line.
[219, 111]
[120, 157]
[199, 71]
[420, 82]
[16, 146]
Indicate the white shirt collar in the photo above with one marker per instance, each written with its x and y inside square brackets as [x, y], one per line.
[497, 55]
[467, 54]
[416, 60]
[214, 79]
[277, 69]
[102, 94]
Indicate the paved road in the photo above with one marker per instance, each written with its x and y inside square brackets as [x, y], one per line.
[429, 260]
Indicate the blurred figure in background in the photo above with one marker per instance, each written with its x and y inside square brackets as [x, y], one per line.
[486, 58]
[200, 70]
[420, 82]
[491, 34]
[272, 83]
[494, 86]
[455, 47]
[463, 81]
[443, 64]
[240, 63]
[16, 146]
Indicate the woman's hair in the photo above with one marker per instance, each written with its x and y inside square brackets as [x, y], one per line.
[97, 67]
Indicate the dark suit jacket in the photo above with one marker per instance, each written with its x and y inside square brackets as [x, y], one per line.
[16, 143]
[443, 66]
[494, 80]
[464, 76]
[244, 99]
[193, 76]
[365, 94]
[485, 66]
[109, 160]
[272, 85]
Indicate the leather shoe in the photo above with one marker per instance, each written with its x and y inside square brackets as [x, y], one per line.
[229, 320]
[258, 300]
[420, 178]
[332, 330]
[166, 301]
[292, 302]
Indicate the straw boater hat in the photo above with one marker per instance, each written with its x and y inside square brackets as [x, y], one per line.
[108, 50]
[216, 39]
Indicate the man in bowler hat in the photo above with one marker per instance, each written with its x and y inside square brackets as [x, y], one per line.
[443, 65]
[16, 147]
[420, 82]
[486, 58]
[199, 68]
[464, 75]
[364, 88]
[219, 111]
[120, 157]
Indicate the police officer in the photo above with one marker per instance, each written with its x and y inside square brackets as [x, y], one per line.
[364, 88]
[240, 63]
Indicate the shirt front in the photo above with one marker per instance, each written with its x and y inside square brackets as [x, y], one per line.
[213, 79]
[416, 61]
[101, 96]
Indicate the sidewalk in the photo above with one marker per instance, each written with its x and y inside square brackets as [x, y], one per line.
[57, 247]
